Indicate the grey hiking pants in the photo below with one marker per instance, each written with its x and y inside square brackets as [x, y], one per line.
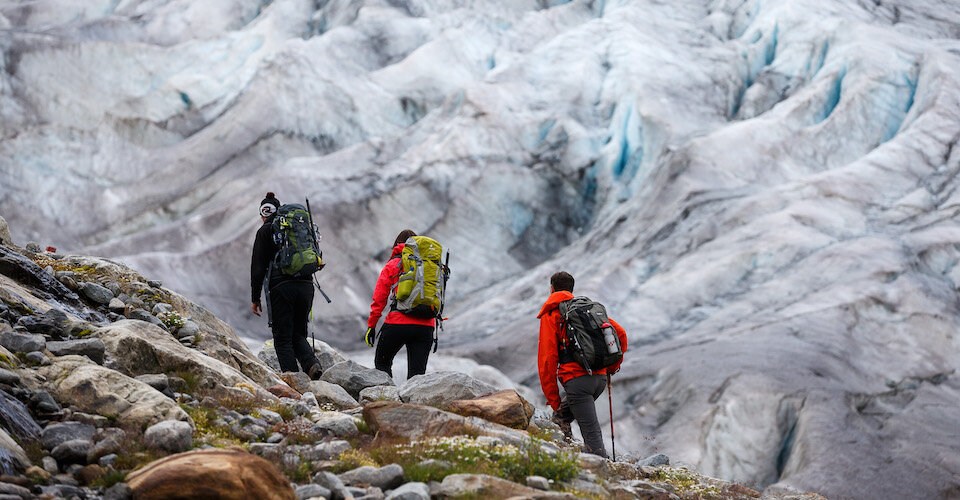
[582, 392]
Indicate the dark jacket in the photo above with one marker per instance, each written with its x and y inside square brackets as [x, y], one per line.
[264, 251]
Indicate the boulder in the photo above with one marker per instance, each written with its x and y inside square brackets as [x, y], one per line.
[484, 486]
[188, 330]
[72, 452]
[325, 392]
[140, 349]
[96, 293]
[336, 423]
[91, 348]
[379, 393]
[308, 491]
[410, 491]
[16, 419]
[299, 381]
[538, 482]
[225, 474]
[13, 459]
[119, 491]
[8, 377]
[95, 389]
[54, 435]
[283, 391]
[386, 477]
[41, 325]
[158, 381]
[355, 377]
[145, 316]
[654, 461]
[170, 435]
[22, 342]
[116, 306]
[107, 446]
[392, 420]
[440, 388]
[504, 407]
[333, 483]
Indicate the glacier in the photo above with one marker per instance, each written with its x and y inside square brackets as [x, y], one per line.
[762, 192]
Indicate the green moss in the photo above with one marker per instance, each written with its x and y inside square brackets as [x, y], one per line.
[301, 474]
[9, 362]
[108, 479]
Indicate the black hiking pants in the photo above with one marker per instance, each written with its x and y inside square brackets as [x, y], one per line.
[417, 338]
[582, 393]
[290, 304]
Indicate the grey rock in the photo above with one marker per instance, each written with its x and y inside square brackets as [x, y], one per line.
[22, 342]
[172, 435]
[69, 282]
[63, 490]
[142, 315]
[49, 464]
[119, 491]
[65, 479]
[333, 483]
[307, 491]
[56, 316]
[37, 358]
[44, 402]
[336, 423]
[270, 416]
[327, 392]
[654, 460]
[386, 477]
[274, 438]
[108, 459]
[110, 445]
[439, 388]
[116, 306]
[538, 482]
[72, 452]
[410, 491]
[329, 450]
[32, 246]
[61, 274]
[158, 381]
[96, 293]
[8, 377]
[113, 286]
[161, 307]
[55, 434]
[91, 348]
[380, 393]
[10, 490]
[12, 457]
[74, 469]
[355, 377]
[188, 331]
[154, 283]
[41, 325]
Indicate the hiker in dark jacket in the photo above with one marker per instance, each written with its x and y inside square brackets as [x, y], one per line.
[398, 329]
[582, 389]
[290, 299]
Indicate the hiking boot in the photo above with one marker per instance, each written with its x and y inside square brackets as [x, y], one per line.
[315, 372]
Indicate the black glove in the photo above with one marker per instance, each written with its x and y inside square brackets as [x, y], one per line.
[370, 336]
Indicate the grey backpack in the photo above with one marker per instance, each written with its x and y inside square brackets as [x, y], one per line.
[590, 340]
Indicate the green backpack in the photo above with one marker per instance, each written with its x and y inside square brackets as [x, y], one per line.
[420, 289]
[294, 231]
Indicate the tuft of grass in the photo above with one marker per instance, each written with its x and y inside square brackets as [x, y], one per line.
[301, 474]
[7, 362]
[206, 431]
[108, 479]
[685, 482]
[363, 426]
[353, 458]
[467, 455]
[191, 381]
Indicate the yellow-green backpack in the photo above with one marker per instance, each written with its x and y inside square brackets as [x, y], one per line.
[420, 289]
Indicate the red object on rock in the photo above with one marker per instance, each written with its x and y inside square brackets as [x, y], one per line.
[52, 249]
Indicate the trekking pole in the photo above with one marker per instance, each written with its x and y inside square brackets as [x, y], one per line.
[316, 243]
[613, 443]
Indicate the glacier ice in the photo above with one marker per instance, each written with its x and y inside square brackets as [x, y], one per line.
[763, 193]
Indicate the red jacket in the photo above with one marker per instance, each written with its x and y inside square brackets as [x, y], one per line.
[548, 352]
[385, 290]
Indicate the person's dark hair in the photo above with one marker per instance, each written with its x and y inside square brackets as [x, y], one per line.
[402, 237]
[562, 282]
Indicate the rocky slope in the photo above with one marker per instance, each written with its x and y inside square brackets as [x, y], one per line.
[114, 387]
[764, 193]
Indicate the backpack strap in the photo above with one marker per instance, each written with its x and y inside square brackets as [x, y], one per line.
[563, 342]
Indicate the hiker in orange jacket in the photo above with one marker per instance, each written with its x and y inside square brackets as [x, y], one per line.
[582, 389]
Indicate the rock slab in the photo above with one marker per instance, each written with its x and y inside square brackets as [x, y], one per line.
[439, 388]
[355, 377]
[504, 407]
[225, 474]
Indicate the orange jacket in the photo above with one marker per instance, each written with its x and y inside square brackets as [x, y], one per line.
[548, 351]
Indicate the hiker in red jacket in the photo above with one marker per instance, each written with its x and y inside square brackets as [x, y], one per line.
[398, 329]
[582, 389]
